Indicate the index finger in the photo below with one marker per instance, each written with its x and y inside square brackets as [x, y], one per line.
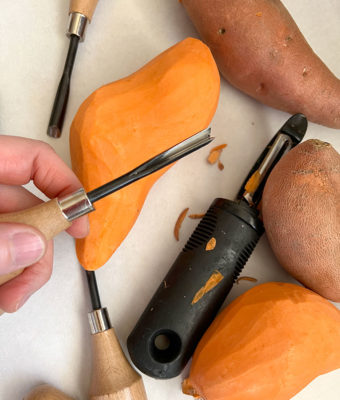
[22, 160]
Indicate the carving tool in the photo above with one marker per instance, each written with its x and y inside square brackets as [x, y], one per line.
[56, 215]
[112, 375]
[201, 277]
[81, 12]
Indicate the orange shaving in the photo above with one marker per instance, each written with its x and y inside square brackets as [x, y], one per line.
[196, 216]
[214, 280]
[211, 244]
[179, 222]
[214, 156]
[219, 147]
[215, 153]
[246, 278]
[259, 14]
[220, 166]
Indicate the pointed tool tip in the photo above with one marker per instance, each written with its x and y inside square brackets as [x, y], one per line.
[53, 131]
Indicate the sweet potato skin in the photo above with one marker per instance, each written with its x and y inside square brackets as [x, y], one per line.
[259, 49]
[301, 214]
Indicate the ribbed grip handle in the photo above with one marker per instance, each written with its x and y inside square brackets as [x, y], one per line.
[194, 289]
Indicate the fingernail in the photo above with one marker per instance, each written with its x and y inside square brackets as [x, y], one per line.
[22, 301]
[27, 248]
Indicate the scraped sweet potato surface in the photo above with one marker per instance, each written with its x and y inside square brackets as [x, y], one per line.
[127, 122]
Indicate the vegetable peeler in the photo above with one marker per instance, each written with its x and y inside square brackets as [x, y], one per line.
[56, 215]
[201, 277]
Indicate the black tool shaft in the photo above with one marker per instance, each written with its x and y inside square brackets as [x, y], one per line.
[160, 161]
[93, 289]
[60, 103]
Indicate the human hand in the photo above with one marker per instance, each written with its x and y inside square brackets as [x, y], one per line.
[23, 160]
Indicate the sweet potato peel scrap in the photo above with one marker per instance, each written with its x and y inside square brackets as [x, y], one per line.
[211, 244]
[215, 154]
[213, 281]
[196, 216]
[179, 222]
[246, 278]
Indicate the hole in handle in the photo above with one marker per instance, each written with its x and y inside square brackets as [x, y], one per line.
[165, 346]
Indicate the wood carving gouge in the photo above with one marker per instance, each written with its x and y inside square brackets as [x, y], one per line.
[56, 215]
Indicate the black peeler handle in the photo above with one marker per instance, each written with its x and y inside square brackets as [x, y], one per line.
[194, 289]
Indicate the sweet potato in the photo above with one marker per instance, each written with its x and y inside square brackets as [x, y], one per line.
[268, 344]
[259, 49]
[125, 123]
[301, 214]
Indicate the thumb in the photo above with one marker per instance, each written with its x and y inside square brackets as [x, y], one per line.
[20, 246]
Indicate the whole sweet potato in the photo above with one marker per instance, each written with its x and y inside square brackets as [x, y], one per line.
[301, 214]
[260, 50]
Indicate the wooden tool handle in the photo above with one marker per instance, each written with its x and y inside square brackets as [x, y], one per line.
[113, 378]
[85, 7]
[46, 217]
[46, 392]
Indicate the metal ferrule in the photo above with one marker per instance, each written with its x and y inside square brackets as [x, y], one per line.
[99, 321]
[77, 25]
[75, 205]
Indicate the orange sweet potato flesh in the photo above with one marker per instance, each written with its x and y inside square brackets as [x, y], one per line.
[301, 214]
[269, 343]
[129, 121]
[259, 49]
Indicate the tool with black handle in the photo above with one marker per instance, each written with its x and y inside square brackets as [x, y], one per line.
[56, 215]
[201, 277]
[81, 13]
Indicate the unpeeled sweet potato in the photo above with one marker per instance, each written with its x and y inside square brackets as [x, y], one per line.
[301, 215]
[259, 49]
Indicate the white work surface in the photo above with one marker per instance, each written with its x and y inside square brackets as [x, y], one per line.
[48, 339]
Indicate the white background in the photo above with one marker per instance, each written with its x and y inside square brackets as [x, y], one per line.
[48, 339]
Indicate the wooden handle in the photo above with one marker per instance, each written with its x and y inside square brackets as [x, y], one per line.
[85, 7]
[113, 378]
[46, 392]
[46, 217]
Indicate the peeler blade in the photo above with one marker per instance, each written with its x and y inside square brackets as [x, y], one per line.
[288, 136]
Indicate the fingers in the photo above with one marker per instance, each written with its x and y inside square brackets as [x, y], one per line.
[16, 292]
[79, 228]
[24, 159]
[20, 246]
[16, 198]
